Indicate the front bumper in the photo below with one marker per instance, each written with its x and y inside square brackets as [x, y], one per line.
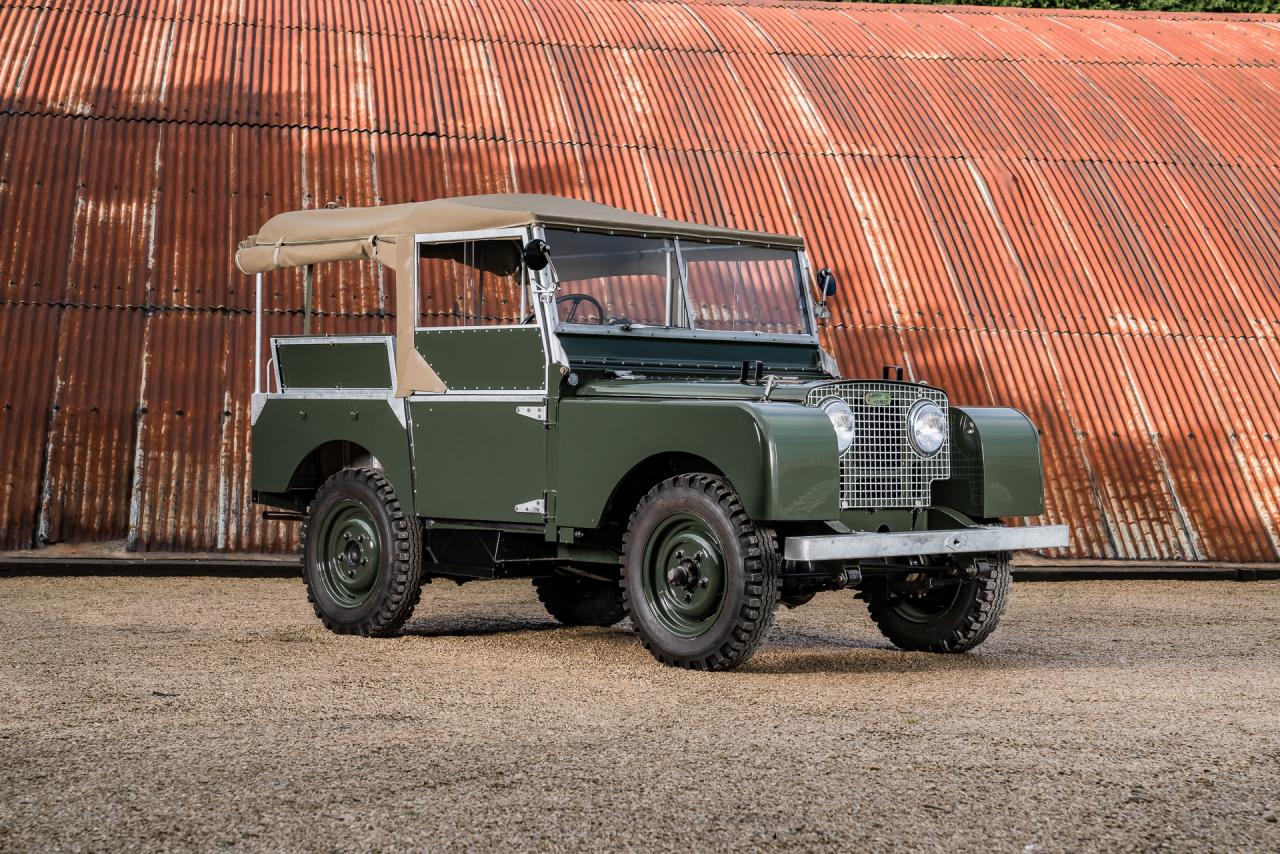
[984, 538]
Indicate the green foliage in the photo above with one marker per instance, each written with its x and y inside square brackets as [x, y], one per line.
[1253, 6]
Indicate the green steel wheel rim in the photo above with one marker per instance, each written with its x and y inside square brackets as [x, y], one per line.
[349, 553]
[684, 574]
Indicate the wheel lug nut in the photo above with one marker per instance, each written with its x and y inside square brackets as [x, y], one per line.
[346, 535]
[702, 582]
[363, 561]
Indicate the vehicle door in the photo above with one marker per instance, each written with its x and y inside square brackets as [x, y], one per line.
[479, 448]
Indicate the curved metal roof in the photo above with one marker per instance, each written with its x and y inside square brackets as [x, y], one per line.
[1070, 212]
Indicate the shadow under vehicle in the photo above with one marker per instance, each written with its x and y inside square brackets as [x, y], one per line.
[637, 414]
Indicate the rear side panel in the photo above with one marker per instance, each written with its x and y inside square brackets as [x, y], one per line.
[331, 389]
[289, 429]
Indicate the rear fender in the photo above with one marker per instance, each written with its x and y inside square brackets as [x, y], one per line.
[289, 429]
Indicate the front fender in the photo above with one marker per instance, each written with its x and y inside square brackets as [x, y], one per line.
[995, 464]
[780, 457]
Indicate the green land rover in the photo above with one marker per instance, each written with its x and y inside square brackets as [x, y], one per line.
[635, 413]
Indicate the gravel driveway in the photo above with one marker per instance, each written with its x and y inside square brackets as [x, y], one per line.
[207, 712]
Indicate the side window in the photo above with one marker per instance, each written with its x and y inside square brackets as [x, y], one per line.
[476, 283]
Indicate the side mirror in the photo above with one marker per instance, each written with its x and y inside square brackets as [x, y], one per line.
[537, 254]
[826, 288]
[826, 283]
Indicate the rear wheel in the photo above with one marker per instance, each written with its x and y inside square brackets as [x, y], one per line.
[953, 617]
[577, 601]
[361, 555]
[700, 580]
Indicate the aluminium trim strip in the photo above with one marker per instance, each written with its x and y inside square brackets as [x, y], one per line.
[504, 395]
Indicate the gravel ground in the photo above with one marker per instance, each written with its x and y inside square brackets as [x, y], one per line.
[204, 712]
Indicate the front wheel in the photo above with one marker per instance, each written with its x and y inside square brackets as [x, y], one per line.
[361, 555]
[950, 618]
[700, 580]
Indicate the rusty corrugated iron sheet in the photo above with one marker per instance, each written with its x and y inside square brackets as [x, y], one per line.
[1070, 212]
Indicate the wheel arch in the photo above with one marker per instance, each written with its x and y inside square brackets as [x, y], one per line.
[645, 475]
[327, 459]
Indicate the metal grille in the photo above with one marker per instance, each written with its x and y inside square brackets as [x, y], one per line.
[881, 468]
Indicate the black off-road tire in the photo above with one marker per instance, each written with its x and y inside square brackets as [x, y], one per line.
[752, 565]
[397, 586]
[957, 624]
[578, 601]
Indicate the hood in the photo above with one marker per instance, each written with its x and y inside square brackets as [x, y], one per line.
[786, 392]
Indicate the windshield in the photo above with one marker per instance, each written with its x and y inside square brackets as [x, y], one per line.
[629, 282]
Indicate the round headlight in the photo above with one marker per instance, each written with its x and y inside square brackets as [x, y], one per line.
[927, 427]
[841, 419]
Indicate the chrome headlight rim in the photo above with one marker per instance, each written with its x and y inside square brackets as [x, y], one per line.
[835, 409]
[913, 433]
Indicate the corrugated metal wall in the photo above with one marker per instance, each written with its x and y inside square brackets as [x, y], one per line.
[1072, 213]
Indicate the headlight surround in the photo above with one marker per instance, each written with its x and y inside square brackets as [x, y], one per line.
[926, 427]
[841, 417]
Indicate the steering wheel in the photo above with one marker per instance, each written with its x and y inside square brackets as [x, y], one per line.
[577, 300]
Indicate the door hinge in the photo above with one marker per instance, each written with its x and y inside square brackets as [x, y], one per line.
[538, 505]
[537, 413]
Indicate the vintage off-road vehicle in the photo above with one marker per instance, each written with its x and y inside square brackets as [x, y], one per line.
[635, 413]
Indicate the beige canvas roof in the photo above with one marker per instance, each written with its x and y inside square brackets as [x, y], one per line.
[298, 238]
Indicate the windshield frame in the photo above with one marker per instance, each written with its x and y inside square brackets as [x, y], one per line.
[677, 296]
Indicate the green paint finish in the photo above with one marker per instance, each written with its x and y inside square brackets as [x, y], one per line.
[478, 459]
[683, 574]
[780, 457]
[491, 357]
[334, 364]
[672, 354]
[995, 464]
[288, 430]
[896, 519]
[349, 552]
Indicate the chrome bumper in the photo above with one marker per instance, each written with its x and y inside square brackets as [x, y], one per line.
[908, 543]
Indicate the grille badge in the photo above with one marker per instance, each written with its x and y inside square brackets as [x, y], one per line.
[877, 398]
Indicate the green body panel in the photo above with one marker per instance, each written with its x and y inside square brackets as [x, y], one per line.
[995, 464]
[478, 459]
[334, 364]
[288, 430]
[475, 458]
[781, 458]
[485, 358]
